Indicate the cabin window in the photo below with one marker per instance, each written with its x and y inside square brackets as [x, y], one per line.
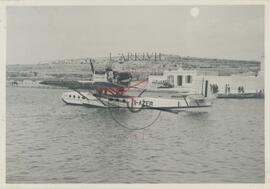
[83, 97]
[188, 79]
[74, 96]
[79, 97]
[179, 80]
[69, 96]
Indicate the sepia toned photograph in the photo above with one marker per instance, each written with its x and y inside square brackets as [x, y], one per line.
[135, 94]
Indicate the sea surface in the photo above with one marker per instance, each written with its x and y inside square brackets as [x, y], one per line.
[51, 142]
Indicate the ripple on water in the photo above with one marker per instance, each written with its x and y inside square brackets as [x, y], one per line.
[49, 142]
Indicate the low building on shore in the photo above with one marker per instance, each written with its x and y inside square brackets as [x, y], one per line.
[190, 79]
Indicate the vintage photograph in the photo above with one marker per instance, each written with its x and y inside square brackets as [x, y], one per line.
[135, 94]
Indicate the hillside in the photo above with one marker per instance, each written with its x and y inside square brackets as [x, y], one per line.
[139, 67]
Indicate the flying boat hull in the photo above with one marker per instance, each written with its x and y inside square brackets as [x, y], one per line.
[112, 101]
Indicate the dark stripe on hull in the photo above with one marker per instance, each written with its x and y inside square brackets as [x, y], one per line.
[168, 108]
[86, 105]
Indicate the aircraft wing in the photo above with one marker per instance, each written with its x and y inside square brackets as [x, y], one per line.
[73, 84]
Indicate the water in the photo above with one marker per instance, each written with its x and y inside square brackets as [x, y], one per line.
[50, 142]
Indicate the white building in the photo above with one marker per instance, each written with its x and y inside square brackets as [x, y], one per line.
[180, 80]
[188, 80]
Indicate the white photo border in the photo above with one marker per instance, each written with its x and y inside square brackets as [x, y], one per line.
[3, 41]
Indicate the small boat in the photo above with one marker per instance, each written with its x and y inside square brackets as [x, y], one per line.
[241, 95]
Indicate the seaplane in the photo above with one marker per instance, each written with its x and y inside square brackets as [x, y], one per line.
[115, 89]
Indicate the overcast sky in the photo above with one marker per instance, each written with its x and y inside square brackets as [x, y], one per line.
[46, 33]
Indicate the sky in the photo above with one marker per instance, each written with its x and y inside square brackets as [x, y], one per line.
[37, 34]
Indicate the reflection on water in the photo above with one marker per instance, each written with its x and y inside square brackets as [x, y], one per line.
[50, 142]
